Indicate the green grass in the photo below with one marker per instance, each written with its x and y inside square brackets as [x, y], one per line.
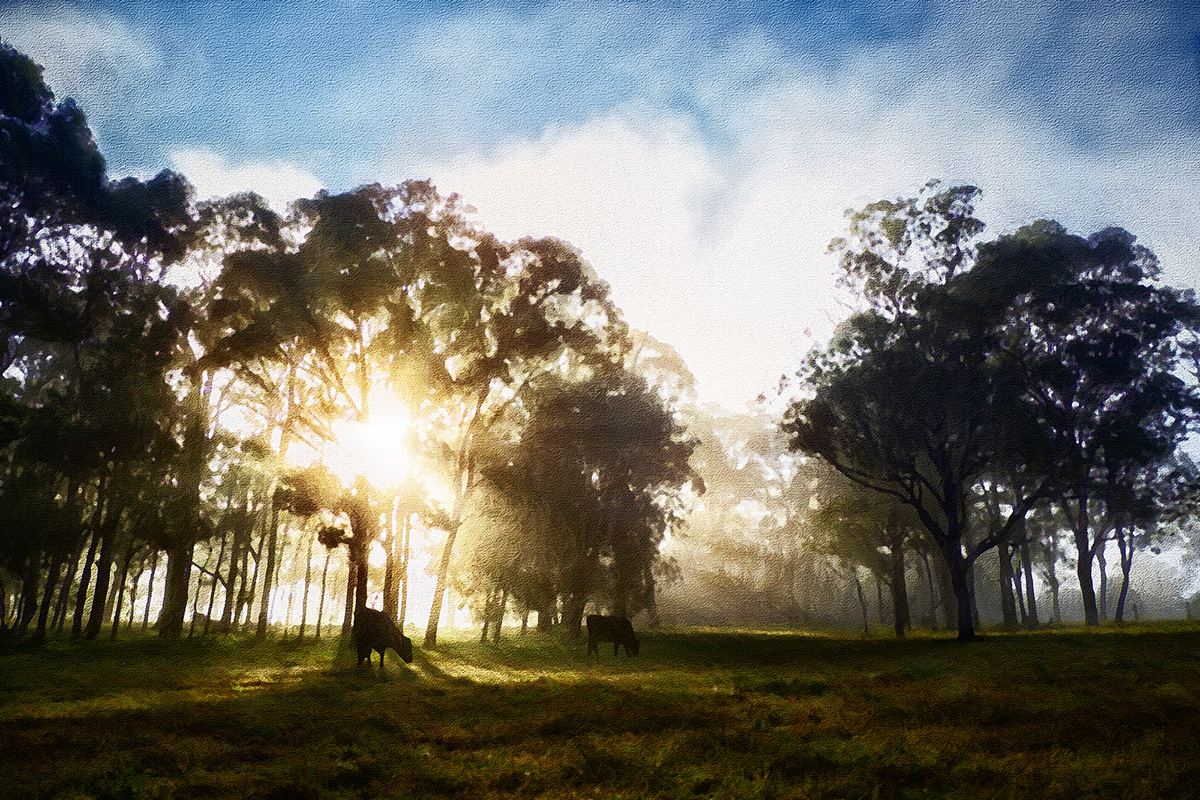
[701, 713]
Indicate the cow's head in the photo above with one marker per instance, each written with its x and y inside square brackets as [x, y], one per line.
[403, 646]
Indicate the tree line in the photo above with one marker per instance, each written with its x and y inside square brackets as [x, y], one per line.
[149, 414]
[992, 411]
[989, 394]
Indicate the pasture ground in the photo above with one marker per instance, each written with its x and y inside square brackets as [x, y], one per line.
[1066, 713]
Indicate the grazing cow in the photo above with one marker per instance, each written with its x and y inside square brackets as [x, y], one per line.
[611, 629]
[374, 630]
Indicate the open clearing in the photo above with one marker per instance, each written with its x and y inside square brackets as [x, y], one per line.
[701, 713]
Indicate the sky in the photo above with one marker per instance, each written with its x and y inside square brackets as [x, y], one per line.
[701, 155]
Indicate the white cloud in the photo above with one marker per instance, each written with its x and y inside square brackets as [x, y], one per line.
[213, 175]
[97, 59]
[717, 245]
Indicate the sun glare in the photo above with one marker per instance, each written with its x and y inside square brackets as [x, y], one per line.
[374, 449]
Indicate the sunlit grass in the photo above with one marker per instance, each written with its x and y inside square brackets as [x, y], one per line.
[1060, 714]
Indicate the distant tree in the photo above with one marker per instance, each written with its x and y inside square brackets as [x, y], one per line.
[1097, 345]
[906, 399]
[1045, 358]
[596, 480]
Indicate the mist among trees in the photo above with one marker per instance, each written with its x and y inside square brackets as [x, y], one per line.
[216, 416]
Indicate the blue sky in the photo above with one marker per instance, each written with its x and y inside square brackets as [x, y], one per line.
[700, 155]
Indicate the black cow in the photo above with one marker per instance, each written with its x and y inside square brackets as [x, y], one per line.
[374, 630]
[611, 629]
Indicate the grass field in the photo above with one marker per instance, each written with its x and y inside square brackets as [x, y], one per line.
[701, 713]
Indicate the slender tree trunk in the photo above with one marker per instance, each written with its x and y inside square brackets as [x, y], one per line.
[1030, 600]
[249, 590]
[948, 599]
[321, 600]
[120, 593]
[500, 616]
[960, 578]
[406, 529]
[1018, 590]
[439, 591]
[1083, 566]
[351, 585]
[133, 593]
[236, 555]
[150, 590]
[64, 593]
[104, 564]
[1102, 566]
[29, 592]
[1008, 606]
[307, 584]
[85, 579]
[1126, 550]
[862, 602]
[878, 601]
[196, 598]
[48, 588]
[212, 591]
[486, 616]
[933, 601]
[572, 616]
[391, 584]
[269, 572]
[902, 619]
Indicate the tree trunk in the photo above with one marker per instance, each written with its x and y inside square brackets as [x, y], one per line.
[108, 531]
[64, 594]
[500, 616]
[1030, 599]
[307, 583]
[51, 584]
[1008, 606]
[351, 584]
[960, 581]
[946, 596]
[264, 607]
[933, 600]
[212, 591]
[862, 602]
[1125, 548]
[119, 597]
[321, 600]
[175, 590]
[1083, 567]
[902, 618]
[85, 579]
[193, 466]
[237, 553]
[406, 529]
[439, 591]
[391, 583]
[486, 616]
[1102, 566]
[572, 617]
[150, 590]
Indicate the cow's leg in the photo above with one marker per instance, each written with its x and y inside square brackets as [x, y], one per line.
[593, 646]
[616, 649]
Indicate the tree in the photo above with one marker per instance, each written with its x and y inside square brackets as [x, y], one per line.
[906, 400]
[1053, 358]
[1097, 345]
[594, 483]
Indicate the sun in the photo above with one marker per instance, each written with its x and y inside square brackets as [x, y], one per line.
[378, 448]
